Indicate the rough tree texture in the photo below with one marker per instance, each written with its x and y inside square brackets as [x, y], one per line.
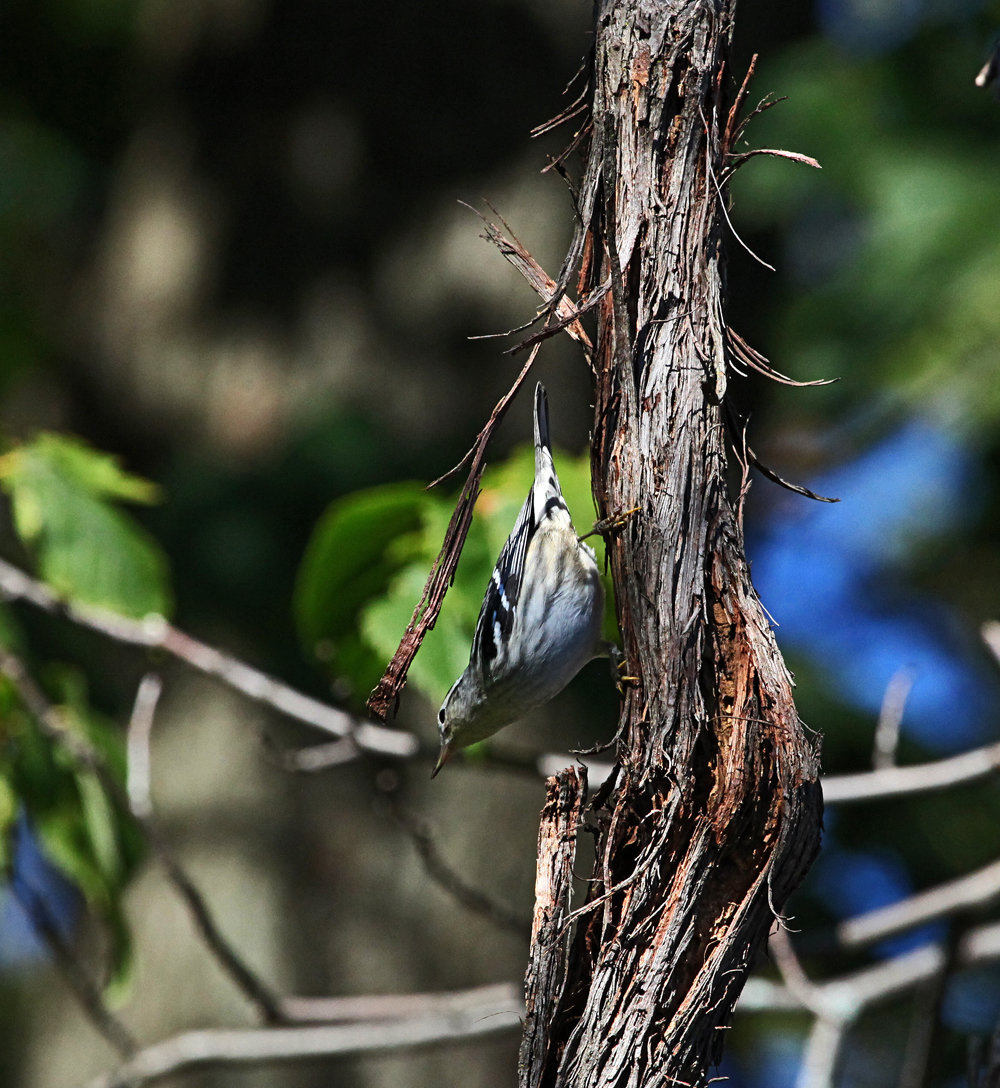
[713, 816]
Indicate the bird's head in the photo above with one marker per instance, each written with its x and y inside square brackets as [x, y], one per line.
[447, 728]
[459, 719]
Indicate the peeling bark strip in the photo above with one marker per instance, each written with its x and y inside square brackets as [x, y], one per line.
[564, 794]
[386, 693]
[713, 816]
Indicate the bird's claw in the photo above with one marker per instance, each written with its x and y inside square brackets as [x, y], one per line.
[619, 667]
[612, 522]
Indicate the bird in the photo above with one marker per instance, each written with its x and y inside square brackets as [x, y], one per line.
[541, 618]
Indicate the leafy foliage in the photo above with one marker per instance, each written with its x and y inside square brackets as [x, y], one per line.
[64, 498]
[63, 495]
[82, 828]
[892, 248]
[367, 563]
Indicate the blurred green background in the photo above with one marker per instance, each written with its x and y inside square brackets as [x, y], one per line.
[232, 255]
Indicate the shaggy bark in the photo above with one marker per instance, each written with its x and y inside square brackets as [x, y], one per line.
[712, 816]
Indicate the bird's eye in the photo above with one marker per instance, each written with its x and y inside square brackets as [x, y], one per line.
[441, 715]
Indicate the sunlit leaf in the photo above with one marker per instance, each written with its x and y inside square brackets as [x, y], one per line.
[8, 817]
[96, 472]
[88, 550]
[84, 829]
[359, 545]
[445, 650]
[368, 561]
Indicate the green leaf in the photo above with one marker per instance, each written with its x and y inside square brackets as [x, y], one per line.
[11, 635]
[99, 820]
[360, 543]
[96, 472]
[84, 829]
[369, 558]
[87, 549]
[445, 649]
[8, 817]
[122, 955]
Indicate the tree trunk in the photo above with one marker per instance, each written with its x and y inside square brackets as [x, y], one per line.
[713, 814]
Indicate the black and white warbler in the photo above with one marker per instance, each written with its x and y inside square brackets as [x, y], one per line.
[541, 618]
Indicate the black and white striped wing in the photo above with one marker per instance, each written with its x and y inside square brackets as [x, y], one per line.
[496, 618]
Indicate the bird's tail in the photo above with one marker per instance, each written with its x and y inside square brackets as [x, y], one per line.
[546, 491]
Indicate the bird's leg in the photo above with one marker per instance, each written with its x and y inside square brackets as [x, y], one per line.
[619, 666]
[612, 522]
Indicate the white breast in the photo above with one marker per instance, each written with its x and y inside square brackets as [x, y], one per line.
[560, 614]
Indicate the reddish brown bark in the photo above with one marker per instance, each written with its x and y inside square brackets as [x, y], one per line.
[712, 817]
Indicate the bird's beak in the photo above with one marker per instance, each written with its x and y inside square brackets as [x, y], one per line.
[446, 754]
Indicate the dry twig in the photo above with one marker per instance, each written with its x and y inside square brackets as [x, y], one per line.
[891, 718]
[135, 798]
[372, 1007]
[140, 803]
[442, 574]
[482, 1012]
[974, 890]
[842, 789]
[990, 70]
[447, 879]
[155, 633]
[838, 1003]
[84, 989]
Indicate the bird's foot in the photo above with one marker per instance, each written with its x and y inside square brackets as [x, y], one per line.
[612, 522]
[619, 668]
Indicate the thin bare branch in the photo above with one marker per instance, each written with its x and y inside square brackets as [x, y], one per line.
[775, 478]
[738, 160]
[318, 757]
[753, 359]
[975, 890]
[556, 164]
[822, 1053]
[389, 1022]
[766, 103]
[990, 632]
[86, 755]
[483, 1014]
[140, 802]
[537, 278]
[154, 632]
[253, 989]
[577, 106]
[387, 691]
[85, 990]
[446, 878]
[564, 323]
[849, 995]
[370, 1007]
[725, 213]
[990, 70]
[841, 789]
[140, 728]
[729, 135]
[838, 1003]
[794, 977]
[891, 718]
